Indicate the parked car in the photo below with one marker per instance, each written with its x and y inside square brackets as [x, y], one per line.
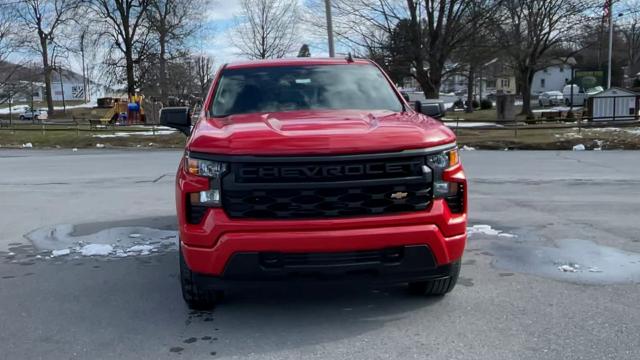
[580, 96]
[34, 114]
[311, 169]
[550, 98]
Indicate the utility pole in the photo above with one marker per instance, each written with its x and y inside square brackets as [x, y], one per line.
[327, 8]
[64, 104]
[610, 43]
[84, 73]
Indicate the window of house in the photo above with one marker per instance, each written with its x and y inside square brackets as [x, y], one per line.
[542, 82]
[505, 83]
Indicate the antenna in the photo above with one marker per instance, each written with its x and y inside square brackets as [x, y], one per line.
[349, 58]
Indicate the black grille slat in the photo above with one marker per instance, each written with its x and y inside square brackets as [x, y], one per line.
[282, 198]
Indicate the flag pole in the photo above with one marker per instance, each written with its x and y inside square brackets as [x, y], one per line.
[610, 43]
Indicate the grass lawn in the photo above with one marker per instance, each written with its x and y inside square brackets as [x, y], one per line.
[85, 139]
[549, 139]
[67, 136]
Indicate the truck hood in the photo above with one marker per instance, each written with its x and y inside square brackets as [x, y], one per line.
[317, 132]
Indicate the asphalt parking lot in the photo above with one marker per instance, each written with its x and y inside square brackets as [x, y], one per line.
[551, 270]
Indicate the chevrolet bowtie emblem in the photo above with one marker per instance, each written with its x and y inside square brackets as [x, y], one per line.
[399, 195]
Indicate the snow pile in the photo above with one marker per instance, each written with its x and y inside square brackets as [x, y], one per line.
[27, 145]
[99, 146]
[467, 148]
[488, 230]
[61, 252]
[579, 147]
[96, 250]
[74, 149]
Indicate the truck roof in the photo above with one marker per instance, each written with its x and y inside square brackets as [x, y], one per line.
[293, 62]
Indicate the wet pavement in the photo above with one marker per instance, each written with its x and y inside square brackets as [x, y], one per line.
[88, 270]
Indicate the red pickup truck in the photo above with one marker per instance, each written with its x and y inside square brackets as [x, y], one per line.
[315, 169]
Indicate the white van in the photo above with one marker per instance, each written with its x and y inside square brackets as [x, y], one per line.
[579, 95]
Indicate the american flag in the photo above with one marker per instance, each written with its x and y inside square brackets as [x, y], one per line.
[606, 16]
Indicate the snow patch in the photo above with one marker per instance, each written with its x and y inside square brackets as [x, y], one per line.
[99, 146]
[115, 242]
[579, 147]
[141, 249]
[568, 268]
[27, 145]
[61, 252]
[467, 148]
[96, 250]
[135, 133]
[488, 230]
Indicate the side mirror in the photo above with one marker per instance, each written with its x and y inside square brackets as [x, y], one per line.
[405, 96]
[417, 106]
[176, 117]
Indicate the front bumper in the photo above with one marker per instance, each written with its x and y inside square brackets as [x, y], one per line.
[211, 245]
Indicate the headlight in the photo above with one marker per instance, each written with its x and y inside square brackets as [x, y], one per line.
[439, 163]
[210, 169]
[206, 168]
[443, 160]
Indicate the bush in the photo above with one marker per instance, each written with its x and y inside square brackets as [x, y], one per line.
[486, 104]
[474, 104]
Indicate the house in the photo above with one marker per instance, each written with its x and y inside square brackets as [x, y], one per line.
[506, 84]
[552, 78]
[25, 82]
[614, 104]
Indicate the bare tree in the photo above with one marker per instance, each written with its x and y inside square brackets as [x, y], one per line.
[631, 32]
[172, 22]
[204, 72]
[126, 27]
[433, 30]
[45, 19]
[529, 30]
[267, 28]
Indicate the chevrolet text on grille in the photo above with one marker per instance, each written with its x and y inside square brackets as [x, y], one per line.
[317, 171]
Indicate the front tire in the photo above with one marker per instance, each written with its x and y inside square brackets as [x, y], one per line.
[437, 287]
[194, 294]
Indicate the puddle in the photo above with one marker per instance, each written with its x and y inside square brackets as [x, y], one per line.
[64, 241]
[574, 260]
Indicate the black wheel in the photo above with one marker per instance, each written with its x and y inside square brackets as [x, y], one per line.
[540, 103]
[195, 295]
[21, 117]
[567, 102]
[437, 287]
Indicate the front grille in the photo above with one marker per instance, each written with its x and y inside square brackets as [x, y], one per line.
[296, 191]
[306, 260]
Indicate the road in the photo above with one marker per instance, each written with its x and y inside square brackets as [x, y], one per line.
[545, 209]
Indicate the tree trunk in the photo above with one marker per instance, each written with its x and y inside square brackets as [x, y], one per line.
[470, 86]
[162, 65]
[46, 69]
[526, 78]
[131, 82]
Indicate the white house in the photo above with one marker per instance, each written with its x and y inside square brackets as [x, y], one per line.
[551, 78]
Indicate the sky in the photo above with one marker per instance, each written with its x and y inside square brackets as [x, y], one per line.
[222, 19]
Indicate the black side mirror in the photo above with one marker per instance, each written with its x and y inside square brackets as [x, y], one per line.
[178, 118]
[405, 96]
[417, 106]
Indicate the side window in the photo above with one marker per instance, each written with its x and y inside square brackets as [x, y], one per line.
[542, 82]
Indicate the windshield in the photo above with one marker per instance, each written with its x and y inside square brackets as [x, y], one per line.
[312, 87]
